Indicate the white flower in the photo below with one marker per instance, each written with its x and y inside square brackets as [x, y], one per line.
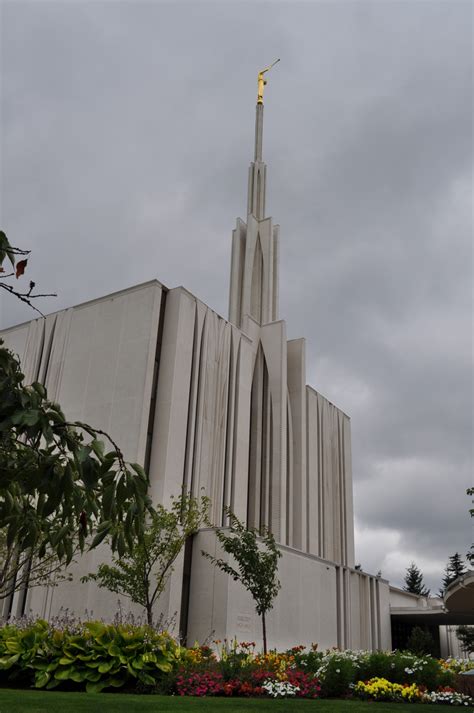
[454, 699]
[279, 689]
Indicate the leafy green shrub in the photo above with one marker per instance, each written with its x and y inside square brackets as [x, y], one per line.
[420, 642]
[428, 672]
[308, 660]
[236, 665]
[422, 670]
[94, 656]
[238, 660]
[375, 664]
[403, 668]
[335, 675]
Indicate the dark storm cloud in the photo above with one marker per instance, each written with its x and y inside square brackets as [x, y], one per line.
[127, 129]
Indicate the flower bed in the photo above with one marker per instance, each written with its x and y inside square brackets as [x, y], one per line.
[95, 656]
[236, 670]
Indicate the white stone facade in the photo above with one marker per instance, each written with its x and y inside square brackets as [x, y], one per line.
[221, 407]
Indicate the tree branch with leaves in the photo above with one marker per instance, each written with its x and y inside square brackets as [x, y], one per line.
[21, 570]
[17, 270]
[60, 490]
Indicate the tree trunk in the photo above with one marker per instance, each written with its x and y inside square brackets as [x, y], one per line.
[264, 629]
[149, 615]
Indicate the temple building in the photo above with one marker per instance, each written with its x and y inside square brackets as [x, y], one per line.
[221, 407]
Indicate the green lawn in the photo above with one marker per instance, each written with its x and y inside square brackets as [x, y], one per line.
[58, 702]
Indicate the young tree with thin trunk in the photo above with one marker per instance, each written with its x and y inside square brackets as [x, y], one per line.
[256, 556]
[142, 573]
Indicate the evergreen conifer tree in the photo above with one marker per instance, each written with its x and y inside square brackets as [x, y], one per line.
[421, 642]
[470, 554]
[414, 581]
[454, 569]
[466, 637]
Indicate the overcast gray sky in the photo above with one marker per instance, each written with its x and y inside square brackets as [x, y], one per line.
[126, 133]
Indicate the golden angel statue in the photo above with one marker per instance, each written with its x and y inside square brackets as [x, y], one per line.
[262, 81]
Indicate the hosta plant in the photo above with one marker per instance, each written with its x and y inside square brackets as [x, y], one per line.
[94, 657]
[23, 648]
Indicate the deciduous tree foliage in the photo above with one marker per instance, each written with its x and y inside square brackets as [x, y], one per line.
[256, 556]
[142, 573]
[24, 568]
[58, 486]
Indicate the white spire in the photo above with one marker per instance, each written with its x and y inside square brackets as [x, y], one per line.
[257, 172]
[255, 248]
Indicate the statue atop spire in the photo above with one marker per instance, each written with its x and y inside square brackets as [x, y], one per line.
[255, 244]
[256, 192]
[259, 113]
[262, 81]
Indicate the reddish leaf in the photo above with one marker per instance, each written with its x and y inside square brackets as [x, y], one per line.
[20, 268]
[83, 522]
